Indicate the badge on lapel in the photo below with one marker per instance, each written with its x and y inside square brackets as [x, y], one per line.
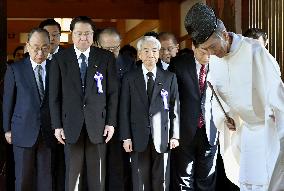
[164, 94]
[99, 78]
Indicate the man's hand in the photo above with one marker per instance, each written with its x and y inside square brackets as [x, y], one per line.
[60, 136]
[127, 145]
[174, 143]
[109, 131]
[8, 137]
[230, 124]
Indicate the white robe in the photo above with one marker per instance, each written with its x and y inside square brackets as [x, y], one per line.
[247, 79]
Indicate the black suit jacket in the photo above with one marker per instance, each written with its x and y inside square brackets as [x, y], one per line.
[138, 118]
[70, 107]
[23, 112]
[191, 100]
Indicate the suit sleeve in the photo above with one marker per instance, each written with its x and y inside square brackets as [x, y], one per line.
[9, 97]
[174, 109]
[112, 93]
[55, 95]
[172, 66]
[124, 110]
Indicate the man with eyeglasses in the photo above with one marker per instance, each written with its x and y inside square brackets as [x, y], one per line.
[118, 171]
[169, 48]
[26, 115]
[83, 103]
[54, 31]
[244, 76]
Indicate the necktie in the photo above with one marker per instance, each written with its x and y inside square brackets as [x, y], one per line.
[202, 77]
[39, 81]
[150, 85]
[83, 70]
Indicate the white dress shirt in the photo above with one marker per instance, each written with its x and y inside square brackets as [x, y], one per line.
[145, 71]
[43, 64]
[78, 53]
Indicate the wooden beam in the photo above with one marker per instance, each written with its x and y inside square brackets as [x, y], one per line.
[139, 30]
[135, 9]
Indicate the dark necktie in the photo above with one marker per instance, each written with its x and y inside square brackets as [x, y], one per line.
[39, 81]
[202, 77]
[83, 70]
[150, 85]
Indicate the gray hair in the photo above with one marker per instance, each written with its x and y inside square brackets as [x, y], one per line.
[145, 39]
[109, 31]
[38, 30]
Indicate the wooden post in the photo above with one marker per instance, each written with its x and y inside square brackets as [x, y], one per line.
[169, 17]
[3, 36]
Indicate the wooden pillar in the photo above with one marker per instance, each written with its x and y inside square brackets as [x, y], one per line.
[225, 10]
[3, 36]
[169, 17]
[245, 15]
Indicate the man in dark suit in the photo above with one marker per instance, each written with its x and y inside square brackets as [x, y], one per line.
[193, 163]
[54, 30]
[149, 118]
[169, 48]
[26, 116]
[83, 104]
[118, 170]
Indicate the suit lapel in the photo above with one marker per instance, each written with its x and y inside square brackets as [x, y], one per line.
[141, 87]
[194, 77]
[160, 79]
[93, 65]
[46, 81]
[30, 77]
[74, 70]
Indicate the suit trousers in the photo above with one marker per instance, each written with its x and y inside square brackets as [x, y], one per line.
[118, 167]
[150, 169]
[93, 156]
[59, 167]
[194, 165]
[33, 167]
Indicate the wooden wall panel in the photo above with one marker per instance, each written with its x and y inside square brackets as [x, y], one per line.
[268, 15]
[135, 9]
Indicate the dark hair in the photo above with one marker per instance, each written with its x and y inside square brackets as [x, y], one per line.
[39, 30]
[49, 22]
[167, 36]
[255, 33]
[128, 50]
[16, 50]
[82, 19]
[151, 33]
[185, 51]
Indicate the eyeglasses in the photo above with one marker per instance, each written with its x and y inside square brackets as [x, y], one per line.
[86, 34]
[169, 49]
[112, 48]
[44, 49]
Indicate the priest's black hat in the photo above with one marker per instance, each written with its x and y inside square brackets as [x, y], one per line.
[200, 22]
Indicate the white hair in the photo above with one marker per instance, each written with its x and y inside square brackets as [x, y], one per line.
[145, 39]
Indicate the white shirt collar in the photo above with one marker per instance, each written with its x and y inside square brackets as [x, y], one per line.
[165, 65]
[49, 57]
[78, 52]
[198, 67]
[56, 50]
[34, 64]
[145, 71]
